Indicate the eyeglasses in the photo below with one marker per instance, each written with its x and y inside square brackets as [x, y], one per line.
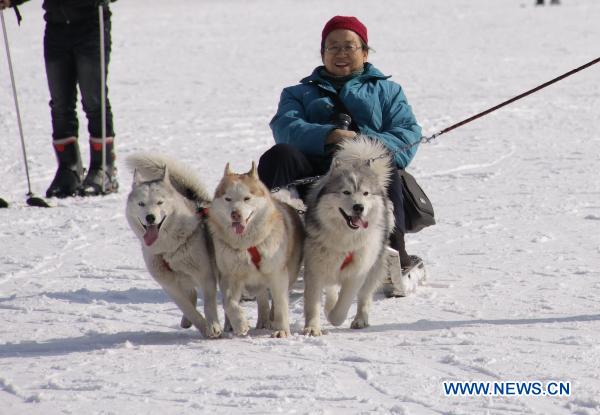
[349, 49]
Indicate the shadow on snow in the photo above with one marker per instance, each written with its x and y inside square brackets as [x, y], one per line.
[431, 325]
[85, 344]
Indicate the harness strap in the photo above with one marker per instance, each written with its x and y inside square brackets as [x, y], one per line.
[166, 264]
[255, 256]
[349, 258]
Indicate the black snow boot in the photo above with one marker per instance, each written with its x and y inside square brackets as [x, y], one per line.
[3, 203]
[68, 176]
[397, 242]
[92, 184]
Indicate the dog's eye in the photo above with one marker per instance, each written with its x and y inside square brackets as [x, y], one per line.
[366, 194]
[160, 202]
[246, 198]
[141, 204]
[346, 192]
[228, 199]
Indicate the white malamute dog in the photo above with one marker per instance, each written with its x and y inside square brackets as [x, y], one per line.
[348, 222]
[258, 247]
[162, 211]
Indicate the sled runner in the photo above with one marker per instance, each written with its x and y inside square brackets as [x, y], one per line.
[401, 282]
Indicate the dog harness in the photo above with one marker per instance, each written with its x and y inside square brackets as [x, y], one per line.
[166, 264]
[201, 211]
[347, 260]
[255, 256]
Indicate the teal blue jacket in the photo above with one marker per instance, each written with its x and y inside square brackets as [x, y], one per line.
[378, 107]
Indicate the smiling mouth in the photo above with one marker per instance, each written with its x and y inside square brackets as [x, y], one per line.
[354, 222]
[238, 227]
[151, 231]
[341, 65]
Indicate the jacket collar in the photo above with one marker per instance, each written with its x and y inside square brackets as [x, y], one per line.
[370, 73]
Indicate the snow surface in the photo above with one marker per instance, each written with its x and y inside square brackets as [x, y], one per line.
[514, 259]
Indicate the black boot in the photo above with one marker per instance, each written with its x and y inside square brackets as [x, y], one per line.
[92, 185]
[68, 176]
[397, 242]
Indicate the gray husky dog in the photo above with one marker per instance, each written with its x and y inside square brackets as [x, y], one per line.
[162, 211]
[348, 221]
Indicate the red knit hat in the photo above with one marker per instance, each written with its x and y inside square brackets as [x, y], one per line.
[345, 22]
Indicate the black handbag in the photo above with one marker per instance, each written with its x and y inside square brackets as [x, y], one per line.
[418, 210]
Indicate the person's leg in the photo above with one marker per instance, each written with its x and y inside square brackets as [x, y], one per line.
[282, 164]
[397, 237]
[62, 84]
[87, 56]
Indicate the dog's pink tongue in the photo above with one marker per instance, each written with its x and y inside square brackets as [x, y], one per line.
[239, 228]
[359, 222]
[151, 234]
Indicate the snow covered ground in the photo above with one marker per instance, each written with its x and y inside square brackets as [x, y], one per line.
[514, 260]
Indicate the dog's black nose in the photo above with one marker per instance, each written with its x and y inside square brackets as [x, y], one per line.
[358, 208]
[150, 219]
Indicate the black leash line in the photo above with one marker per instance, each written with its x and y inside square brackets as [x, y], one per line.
[510, 101]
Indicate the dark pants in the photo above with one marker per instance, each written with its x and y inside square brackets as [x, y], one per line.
[283, 164]
[72, 56]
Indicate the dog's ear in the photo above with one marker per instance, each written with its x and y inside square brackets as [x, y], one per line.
[165, 176]
[336, 163]
[228, 171]
[137, 178]
[253, 173]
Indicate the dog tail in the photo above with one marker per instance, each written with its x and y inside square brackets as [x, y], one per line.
[152, 167]
[366, 150]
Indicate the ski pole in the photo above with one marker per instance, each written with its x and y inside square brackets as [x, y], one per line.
[102, 92]
[31, 199]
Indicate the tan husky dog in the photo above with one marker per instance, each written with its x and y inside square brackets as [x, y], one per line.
[258, 247]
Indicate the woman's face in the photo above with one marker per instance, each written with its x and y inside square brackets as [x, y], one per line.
[343, 53]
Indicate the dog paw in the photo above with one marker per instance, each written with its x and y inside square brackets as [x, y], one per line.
[312, 331]
[241, 332]
[242, 329]
[185, 323]
[213, 331]
[336, 319]
[280, 334]
[359, 323]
